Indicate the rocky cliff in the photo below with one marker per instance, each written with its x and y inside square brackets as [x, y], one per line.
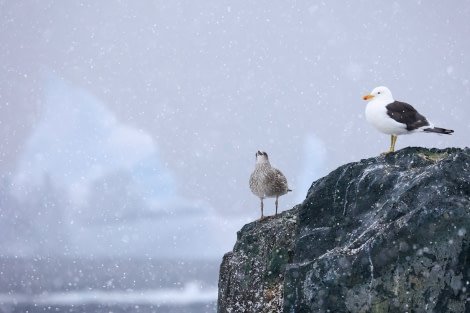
[386, 234]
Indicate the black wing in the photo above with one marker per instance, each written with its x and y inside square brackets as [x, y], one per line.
[404, 113]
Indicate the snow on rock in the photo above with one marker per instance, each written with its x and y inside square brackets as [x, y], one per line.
[251, 277]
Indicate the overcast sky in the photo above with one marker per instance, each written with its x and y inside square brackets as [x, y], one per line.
[212, 82]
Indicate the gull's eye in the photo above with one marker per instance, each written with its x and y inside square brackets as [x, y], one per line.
[378, 92]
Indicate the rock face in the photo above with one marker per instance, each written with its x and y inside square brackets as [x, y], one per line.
[386, 234]
[252, 276]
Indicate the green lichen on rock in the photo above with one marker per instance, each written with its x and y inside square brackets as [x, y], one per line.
[277, 262]
[433, 155]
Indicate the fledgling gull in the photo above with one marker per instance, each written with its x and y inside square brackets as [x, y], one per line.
[396, 118]
[267, 181]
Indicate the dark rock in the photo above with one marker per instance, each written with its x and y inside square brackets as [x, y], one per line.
[252, 276]
[386, 234]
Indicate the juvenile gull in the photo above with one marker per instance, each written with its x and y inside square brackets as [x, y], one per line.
[267, 181]
[396, 118]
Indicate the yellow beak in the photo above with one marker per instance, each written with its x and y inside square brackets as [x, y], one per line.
[367, 97]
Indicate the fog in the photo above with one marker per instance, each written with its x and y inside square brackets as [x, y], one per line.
[140, 120]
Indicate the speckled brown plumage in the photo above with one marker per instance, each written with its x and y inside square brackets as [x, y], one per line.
[267, 181]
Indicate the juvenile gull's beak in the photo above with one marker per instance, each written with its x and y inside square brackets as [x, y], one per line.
[367, 97]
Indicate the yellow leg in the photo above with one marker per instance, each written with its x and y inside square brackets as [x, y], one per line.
[393, 140]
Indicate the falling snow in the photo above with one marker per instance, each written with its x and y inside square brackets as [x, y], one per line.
[160, 106]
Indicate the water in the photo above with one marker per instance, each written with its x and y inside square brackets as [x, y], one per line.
[107, 285]
[194, 308]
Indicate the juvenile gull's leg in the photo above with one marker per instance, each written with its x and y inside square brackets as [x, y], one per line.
[262, 216]
[276, 205]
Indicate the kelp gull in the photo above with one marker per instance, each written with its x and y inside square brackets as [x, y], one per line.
[396, 118]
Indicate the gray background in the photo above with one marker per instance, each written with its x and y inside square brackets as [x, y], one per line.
[211, 82]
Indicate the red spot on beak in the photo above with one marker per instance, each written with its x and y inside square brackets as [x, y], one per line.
[367, 97]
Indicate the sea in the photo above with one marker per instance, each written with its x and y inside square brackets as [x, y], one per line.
[107, 285]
